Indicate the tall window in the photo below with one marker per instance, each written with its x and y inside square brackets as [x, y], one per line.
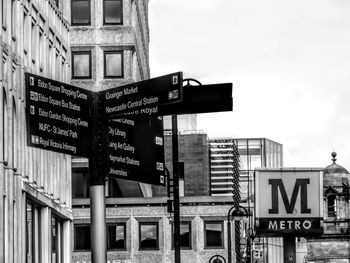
[81, 61]
[113, 64]
[81, 13]
[13, 19]
[149, 236]
[213, 234]
[331, 205]
[116, 236]
[4, 124]
[4, 13]
[33, 40]
[56, 239]
[14, 132]
[32, 231]
[82, 237]
[185, 235]
[80, 183]
[112, 12]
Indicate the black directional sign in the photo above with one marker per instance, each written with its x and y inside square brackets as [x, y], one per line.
[142, 98]
[58, 116]
[201, 99]
[135, 149]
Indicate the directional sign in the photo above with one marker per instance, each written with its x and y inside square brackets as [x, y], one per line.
[201, 99]
[135, 149]
[288, 200]
[58, 116]
[142, 98]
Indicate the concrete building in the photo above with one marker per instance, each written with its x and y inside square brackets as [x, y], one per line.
[334, 244]
[109, 42]
[140, 229]
[35, 200]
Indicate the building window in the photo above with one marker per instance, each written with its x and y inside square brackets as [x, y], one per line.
[80, 183]
[185, 235]
[113, 64]
[81, 61]
[112, 12]
[82, 238]
[33, 232]
[56, 239]
[213, 232]
[4, 14]
[116, 234]
[331, 205]
[13, 19]
[81, 13]
[149, 236]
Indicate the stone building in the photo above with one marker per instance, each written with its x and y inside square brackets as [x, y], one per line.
[140, 229]
[35, 200]
[334, 244]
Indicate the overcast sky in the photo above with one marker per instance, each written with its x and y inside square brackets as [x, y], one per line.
[289, 62]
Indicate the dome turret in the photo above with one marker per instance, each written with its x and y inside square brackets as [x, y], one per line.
[334, 168]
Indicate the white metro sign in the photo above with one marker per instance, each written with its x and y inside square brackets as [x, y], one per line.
[288, 200]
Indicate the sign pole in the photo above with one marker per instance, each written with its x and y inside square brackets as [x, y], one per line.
[97, 188]
[289, 250]
[175, 146]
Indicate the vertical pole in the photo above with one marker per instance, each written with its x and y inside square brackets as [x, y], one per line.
[289, 250]
[229, 243]
[175, 145]
[98, 226]
[97, 188]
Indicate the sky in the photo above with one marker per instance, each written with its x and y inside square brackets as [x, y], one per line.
[289, 62]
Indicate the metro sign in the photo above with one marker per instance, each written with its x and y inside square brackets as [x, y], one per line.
[288, 200]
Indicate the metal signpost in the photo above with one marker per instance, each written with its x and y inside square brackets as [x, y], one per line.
[58, 116]
[289, 203]
[119, 131]
[142, 98]
[136, 154]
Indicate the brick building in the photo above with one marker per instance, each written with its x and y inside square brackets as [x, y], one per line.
[194, 157]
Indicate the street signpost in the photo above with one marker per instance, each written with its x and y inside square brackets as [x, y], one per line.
[58, 116]
[201, 99]
[142, 98]
[118, 130]
[135, 149]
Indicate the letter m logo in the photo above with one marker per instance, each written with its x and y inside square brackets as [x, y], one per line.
[289, 204]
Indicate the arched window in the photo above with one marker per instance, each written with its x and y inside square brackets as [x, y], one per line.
[331, 205]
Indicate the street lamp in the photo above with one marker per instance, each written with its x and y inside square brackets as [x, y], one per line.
[250, 238]
[237, 212]
[217, 259]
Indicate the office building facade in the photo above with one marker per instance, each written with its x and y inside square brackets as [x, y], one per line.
[109, 42]
[35, 200]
